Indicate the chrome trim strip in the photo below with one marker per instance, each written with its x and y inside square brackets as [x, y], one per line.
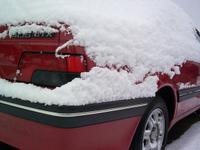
[189, 90]
[69, 115]
[189, 93]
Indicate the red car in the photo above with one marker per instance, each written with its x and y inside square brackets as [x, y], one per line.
[139, 124]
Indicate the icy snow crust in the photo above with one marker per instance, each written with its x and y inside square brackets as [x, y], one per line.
[147, 36]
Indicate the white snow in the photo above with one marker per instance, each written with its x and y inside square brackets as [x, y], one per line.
[32, 28]
[147, 36]
[186, 85]
[3, 34]
[189, 141]
[99, 85]
[68, 43]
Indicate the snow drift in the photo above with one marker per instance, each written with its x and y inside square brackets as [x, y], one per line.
[147, 36]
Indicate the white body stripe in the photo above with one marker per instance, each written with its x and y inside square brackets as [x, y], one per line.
[77, 114]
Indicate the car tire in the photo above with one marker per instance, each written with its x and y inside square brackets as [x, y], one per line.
[152, 130]
[198, 113]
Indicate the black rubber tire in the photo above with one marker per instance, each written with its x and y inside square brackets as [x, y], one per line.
[156, 103]
[198, 113]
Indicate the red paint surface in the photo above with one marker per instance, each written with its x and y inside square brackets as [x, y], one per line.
[189, 73]
[27, 135]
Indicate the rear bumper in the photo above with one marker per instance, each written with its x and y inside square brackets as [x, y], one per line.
[108, 125]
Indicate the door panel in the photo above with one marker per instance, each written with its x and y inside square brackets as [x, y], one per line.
[188, 83]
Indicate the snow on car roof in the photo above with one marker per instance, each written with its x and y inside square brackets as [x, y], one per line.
[147, 36]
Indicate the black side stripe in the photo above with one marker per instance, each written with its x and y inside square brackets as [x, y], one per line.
[186, 94]
[74, 116]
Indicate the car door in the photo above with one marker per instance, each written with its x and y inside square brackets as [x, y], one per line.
[188, 83]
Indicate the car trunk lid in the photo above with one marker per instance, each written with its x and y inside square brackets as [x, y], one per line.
[16, 40]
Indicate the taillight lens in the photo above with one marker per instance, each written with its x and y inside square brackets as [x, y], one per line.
[48, 70]
[52, 78]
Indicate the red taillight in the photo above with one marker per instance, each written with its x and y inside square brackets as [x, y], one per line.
[75, 64]
[32, 62]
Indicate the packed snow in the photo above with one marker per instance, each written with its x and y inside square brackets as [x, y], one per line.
[189, 141]
[99, 85]
[147, 36]
[3, 34]
[33, 28]
[186, 85]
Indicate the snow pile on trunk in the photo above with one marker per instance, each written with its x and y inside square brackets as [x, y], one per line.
[99, 85]
[33, 28]
[186, 85]
[147, 36]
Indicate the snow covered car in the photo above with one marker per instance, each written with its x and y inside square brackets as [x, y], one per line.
[95, 75]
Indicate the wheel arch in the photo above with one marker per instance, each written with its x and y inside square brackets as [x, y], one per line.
[169, 95]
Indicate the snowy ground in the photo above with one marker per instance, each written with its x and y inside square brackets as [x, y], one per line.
[190, 138]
